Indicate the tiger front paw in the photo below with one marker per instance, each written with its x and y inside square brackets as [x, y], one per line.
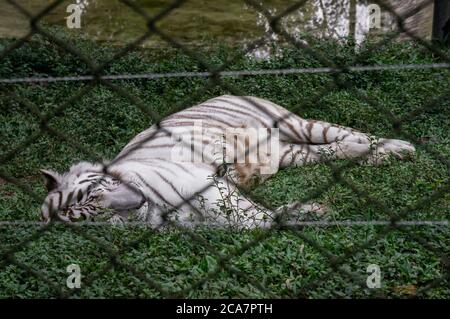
[295, 213]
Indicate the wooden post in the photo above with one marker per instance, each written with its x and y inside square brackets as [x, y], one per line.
[441, 21]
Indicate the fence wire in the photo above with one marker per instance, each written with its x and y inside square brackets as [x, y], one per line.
[227, 73]
[394, 222]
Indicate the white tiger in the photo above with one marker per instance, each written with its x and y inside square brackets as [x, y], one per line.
[159, 170]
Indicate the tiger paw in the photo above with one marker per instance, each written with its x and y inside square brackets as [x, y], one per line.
[117, 220]
[386, 148]
[296, 212]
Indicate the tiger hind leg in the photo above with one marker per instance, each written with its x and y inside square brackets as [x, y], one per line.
[300, 154]
[296, 130]
[373, 153]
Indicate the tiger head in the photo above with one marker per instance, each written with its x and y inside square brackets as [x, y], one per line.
[85, 192]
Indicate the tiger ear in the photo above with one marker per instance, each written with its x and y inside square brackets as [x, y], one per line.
[52, 179]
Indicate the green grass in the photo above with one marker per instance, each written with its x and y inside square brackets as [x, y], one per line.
[285, 263]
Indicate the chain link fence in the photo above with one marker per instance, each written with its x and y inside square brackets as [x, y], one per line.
[215, 75]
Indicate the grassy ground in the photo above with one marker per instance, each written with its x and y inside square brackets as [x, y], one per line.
[287, 264]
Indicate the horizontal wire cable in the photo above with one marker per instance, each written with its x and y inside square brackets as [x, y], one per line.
[150, 76]
[300, 223]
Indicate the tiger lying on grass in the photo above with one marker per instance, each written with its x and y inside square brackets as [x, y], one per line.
[187, 168]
